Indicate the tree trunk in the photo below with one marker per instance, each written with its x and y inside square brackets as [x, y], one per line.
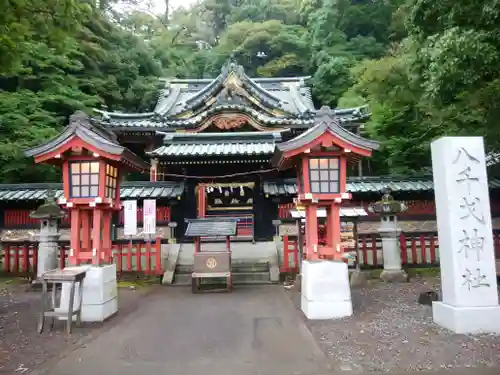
[167, 3]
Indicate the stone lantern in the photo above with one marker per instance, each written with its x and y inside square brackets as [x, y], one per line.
[388, 208]
[49, 214]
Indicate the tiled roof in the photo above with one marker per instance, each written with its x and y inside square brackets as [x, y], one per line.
[217, 144]
[210, 227]
[365, 185]
[81, 126]
[129, 190]
[185, 103]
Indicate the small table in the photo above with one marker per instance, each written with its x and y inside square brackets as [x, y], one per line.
[49, 310]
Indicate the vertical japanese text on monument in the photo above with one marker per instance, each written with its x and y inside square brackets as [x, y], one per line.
[472, 218]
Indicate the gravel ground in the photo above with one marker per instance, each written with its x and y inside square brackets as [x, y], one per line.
[22, 349]
[391, 331]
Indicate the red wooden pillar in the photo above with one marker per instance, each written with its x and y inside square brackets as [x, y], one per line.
[311, 232]
[106, 235]
[86, 225]
[75, 236]
[333, 219]
[201, 201]
[96, 236]
[153, 170]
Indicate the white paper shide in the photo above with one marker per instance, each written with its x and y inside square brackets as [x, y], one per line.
[130, 218]
[149, 221]
[468, 275]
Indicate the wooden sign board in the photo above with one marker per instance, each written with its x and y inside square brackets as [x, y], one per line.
[288, 229]
[347, 235]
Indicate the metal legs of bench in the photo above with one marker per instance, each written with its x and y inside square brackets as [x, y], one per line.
[49, 309]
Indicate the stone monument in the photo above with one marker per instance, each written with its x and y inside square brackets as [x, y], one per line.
[388, 209]
[468, 277]
[49, 214]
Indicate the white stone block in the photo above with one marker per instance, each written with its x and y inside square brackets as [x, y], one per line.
[99, 290]
[323, 310]
[467, 320]
[95, 313]
[326, 293]
[467, 260]
[101, 312]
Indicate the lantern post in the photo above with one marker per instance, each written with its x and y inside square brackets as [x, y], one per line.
[92, 162]
[321, 157]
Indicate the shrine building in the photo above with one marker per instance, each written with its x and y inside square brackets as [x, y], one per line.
[209, 145]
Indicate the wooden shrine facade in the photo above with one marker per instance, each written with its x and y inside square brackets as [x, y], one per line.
[209, 144]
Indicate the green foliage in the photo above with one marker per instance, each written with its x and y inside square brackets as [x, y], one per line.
[90, 63]
[425, 68]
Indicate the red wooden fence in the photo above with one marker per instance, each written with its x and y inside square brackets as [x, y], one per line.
[16, 218]
[144, 257]
[419, 249]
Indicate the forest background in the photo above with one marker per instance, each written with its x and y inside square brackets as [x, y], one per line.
[425, 68]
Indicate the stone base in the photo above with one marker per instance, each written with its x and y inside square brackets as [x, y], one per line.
[100, 291]
[358, 278]
[467, 320]
[322, 310]
[394, 276]
[326, 293]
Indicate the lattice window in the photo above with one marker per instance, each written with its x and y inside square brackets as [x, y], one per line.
[84, 179]
[111, 178]
[324, 175]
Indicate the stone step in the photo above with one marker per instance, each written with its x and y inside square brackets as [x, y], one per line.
[238, 278]
[235, 267]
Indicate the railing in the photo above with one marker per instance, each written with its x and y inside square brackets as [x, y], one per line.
[417, 249]
[20, 258]
[20, 218]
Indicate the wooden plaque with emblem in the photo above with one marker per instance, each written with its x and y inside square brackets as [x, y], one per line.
[288, 229]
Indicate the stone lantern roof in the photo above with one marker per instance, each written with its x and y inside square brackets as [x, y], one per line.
[49, 210]
[387, 205]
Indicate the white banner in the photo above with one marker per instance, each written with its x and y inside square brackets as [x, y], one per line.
[149, 222]
[130, 218]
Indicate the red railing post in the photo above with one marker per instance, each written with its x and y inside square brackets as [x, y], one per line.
[374, 249]
[138, 252]
[423, 249]
[158, 267]
[364, 250]
[286, 253]
[35, 258]
[118, 248]
[129, 256]
[432, 249]
[414, 257]
[26, 264]
[16, 258]
[296, 255]
[404, 250]
[7, 258]
[62, 256]
[148, 257]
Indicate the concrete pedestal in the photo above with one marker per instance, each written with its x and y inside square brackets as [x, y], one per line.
[470, 320]
[99, 294]
[391, 252]
[47, 255]
[326, 293]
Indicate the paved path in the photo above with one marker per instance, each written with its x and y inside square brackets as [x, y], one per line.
[253, 331]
